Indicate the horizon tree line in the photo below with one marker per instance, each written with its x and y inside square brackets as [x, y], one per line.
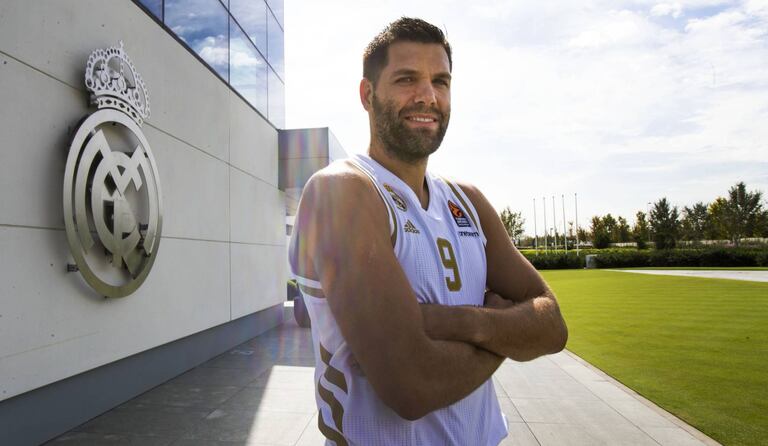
[739, 214]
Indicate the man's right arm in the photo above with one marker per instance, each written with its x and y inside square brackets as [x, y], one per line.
[344, 237]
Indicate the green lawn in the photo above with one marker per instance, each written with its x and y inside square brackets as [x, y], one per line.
[704, 268]
[696, 347]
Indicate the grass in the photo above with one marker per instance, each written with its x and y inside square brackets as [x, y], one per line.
[705, 268]
[696, 347]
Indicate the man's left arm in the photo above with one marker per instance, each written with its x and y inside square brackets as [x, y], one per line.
[521, 319]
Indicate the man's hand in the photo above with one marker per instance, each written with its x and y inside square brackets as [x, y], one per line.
[493, 300]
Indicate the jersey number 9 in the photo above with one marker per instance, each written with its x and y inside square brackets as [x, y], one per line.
[449, 262]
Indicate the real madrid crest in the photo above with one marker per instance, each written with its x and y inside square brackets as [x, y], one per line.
[112, 204]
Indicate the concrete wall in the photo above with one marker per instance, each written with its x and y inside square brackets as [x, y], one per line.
[222, 254]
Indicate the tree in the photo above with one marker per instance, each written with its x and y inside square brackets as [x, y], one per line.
[610, 226]
[584, 235]
[641, 231]
[513, 223]
[622, 230]
[740, 214]
[664, 221]
[600, 236]
[695, 222]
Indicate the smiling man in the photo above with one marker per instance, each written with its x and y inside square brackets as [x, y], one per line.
[415, 292]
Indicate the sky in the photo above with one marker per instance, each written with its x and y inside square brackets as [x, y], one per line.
[622, 102]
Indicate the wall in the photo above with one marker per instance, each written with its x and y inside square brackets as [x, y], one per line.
[222, 254]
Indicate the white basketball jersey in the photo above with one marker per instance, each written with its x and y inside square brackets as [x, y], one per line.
[442, 251]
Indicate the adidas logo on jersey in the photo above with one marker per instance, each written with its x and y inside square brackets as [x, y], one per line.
[409, 227]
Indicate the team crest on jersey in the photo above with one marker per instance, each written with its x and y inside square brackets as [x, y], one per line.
[458, 215]
[399, 202]
[410, 227]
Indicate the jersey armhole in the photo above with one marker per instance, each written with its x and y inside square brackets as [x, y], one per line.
[390, 211]
[458, 192]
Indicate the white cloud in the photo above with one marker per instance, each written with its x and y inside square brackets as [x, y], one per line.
[667, 9]
[603, 98]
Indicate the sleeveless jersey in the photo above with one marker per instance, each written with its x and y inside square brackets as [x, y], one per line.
[442, 252]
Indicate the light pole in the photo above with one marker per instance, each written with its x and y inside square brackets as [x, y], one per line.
[546, 242]
[576, 204]
[565, 232]
[535, 230]
[554, 222]
[648, 222]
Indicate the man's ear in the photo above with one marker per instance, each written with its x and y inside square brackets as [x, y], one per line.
[366, 94]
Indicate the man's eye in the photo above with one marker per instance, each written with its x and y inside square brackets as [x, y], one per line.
[405, 79]
[442, 82]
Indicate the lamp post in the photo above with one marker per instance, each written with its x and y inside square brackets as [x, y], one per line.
[648, 222]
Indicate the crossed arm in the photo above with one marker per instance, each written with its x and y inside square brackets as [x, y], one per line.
[521, 319]
[414, 362]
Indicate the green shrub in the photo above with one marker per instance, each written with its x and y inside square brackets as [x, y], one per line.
[633, 258]
[557, 260]
[719, 257]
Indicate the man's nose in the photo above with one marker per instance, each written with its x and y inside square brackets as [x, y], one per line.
[425, 93]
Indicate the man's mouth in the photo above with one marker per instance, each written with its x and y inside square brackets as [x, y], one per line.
[422, 119]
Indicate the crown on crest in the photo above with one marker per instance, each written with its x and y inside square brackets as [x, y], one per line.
[114, 83]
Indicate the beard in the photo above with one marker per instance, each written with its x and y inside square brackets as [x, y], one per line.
[404, 143]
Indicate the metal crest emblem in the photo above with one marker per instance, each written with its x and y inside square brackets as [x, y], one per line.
[112, 200]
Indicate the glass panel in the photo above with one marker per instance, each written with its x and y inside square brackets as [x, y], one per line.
[252, 17]
[275, 42]
[247, 69]
[155, 7]
[276, 101]
[201, 24]
[277, 7]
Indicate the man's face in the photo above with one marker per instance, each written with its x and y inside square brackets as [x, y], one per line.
[411, 103]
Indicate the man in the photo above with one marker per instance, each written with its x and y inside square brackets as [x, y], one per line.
[394, 263]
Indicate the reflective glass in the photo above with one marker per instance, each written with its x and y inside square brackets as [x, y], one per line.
[252, 17]
[276, 100]
[201, 24]
[247, 69]
[154, 6]
[277, 7]
[275, 43]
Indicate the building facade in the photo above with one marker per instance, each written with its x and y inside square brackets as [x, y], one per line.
[214, 72]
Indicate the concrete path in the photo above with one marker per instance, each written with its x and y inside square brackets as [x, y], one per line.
[262, 393]
[754, 276]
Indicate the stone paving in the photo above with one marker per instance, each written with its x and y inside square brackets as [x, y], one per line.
[754, 276]
[261, 393]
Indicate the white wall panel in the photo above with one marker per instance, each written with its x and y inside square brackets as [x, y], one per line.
[52, 325]
[36, 113]
[186, 99]
[195, 189]
[55, 326]
[257, 209]
[259, 275]
[252, 142]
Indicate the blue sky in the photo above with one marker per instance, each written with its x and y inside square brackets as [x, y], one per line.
[622, 101]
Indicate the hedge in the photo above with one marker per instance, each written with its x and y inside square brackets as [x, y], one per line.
[622, 258]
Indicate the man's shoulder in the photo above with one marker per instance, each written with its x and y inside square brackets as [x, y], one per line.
[341, 184]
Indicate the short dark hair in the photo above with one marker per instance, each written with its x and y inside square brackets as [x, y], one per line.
[403, 29]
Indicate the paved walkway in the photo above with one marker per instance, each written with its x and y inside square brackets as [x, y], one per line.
[261, 393]
[754, 276]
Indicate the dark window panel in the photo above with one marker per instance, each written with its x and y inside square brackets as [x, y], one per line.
[247, 69]
[276, 100]
[275, 54]
[252, 17]
[277, 7]
[201, 24]
[155, 7]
